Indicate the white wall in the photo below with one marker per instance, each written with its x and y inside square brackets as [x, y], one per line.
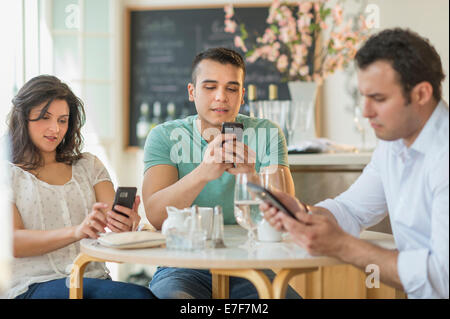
[428, 18]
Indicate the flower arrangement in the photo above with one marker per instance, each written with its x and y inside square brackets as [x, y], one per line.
[290, 39]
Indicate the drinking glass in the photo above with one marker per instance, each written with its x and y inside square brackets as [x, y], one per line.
[359, 121]
[246, 206]
[291, 110]
[273, 178]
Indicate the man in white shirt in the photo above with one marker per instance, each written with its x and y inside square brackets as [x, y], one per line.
[400, 75]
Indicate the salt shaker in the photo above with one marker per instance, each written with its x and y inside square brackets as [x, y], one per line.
[197, 235]
[217, 235]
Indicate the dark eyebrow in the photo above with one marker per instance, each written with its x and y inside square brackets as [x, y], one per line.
[374, 95]
[215, 82]
[59, 116]
[209, 81]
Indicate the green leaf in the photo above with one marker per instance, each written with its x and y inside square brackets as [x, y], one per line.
[244, 33]
[274, 28]
[314, 27]
[249, 53]
[324, 13]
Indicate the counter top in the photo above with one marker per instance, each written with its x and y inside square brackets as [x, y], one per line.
[330, 159]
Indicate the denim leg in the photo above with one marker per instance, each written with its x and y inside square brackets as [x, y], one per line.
[183, 283]
[92, 289]
[108, 289]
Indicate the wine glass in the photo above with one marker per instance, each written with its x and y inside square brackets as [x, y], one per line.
[291, 118]
[246, 206]
[272, 177]
[359, 120]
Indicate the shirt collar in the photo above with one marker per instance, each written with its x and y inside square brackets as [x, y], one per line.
[422, 142]
[431, 128]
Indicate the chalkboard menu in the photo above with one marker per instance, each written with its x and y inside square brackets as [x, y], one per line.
[162, 45]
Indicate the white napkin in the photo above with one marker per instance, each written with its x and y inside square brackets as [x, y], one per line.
[136, 239]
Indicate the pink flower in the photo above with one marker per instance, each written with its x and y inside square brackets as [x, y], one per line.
[288, 38]
[337, 14]
[304, 70]
[288, 34]
[230, 26]
[229, 11]
[273, 11]
[303, 23]
[255, 55]
[307, 39]
[268, 37]
[304, 7]
[282, 63]
[274, 52]
[238, 43]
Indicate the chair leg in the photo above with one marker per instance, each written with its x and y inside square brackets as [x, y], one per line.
[76, 275]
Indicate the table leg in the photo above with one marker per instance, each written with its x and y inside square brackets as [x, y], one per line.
[220, 286]
[256, 277]
[76, 275]
[281, 281]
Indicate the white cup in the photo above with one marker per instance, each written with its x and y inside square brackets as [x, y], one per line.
[267, 233]
[207, 214]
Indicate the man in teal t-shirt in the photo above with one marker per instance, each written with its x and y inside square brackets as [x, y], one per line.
[179, 144]
[185, 163]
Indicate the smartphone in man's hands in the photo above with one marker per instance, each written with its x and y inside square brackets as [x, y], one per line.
[125, 196]
[233, 128]
[267, 196]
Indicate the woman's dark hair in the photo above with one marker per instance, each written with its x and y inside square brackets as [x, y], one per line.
[39, 90]
[221, 55]
[413, 58]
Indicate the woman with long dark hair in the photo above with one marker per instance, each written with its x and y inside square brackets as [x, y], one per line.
[60, 195]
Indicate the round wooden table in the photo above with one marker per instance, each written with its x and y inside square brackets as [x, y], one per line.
[286, 258]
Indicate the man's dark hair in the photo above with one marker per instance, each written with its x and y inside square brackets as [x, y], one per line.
[413, 58]
[44, 89]
[221, 55]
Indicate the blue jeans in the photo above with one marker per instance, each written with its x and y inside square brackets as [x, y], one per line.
[184, 283]
[92, 289]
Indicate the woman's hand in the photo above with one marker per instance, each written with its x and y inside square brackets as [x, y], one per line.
[93, 224]
[119, 223]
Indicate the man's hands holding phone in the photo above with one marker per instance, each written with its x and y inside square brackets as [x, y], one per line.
[275, 216]
[242, 156]
[318, 231]
[225, 154]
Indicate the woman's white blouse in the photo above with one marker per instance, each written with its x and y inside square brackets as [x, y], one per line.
[45, 207]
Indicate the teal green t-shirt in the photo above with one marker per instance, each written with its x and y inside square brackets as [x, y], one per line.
[180, 144]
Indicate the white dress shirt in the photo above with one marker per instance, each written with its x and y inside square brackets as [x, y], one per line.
[412, 184]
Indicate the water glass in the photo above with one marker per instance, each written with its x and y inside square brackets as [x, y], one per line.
[246, 206]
